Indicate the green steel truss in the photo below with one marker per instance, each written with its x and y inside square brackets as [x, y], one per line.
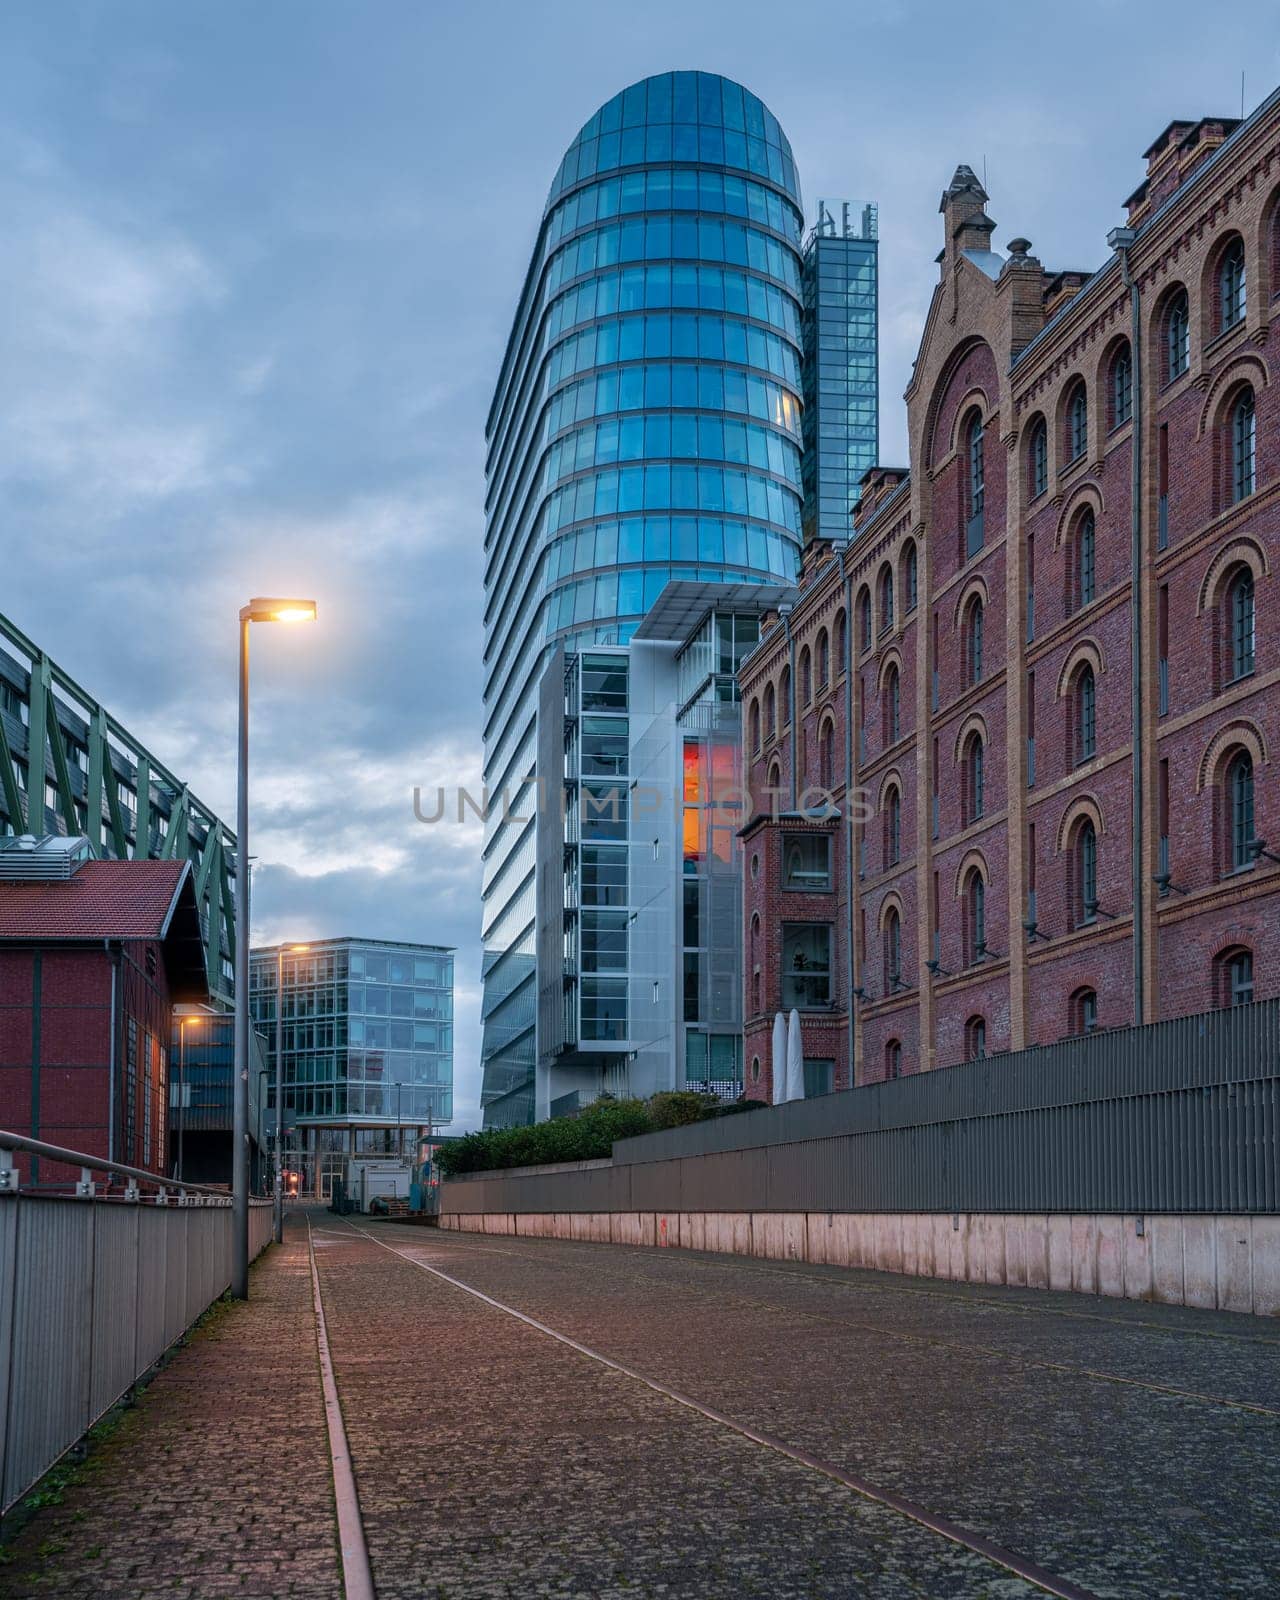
[95, 779]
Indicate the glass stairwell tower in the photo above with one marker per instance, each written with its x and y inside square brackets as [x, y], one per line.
[646, 426]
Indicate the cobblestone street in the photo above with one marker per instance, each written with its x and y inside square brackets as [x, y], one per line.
[1105, 1448]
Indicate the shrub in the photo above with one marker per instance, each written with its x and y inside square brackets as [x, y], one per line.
[587, 1136]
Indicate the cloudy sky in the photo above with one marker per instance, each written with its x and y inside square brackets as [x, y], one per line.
[257, 268]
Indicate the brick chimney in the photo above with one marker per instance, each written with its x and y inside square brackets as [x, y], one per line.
[1180, 149]
[966, 225]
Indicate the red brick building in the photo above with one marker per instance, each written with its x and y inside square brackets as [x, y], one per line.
[91, 965]
[1064, 813]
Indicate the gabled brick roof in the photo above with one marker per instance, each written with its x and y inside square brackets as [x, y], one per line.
[115, 900]
[103, 900]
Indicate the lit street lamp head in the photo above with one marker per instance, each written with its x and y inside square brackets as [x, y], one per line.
[276, 610]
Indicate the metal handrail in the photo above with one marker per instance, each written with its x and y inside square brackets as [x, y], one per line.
[77, 1158]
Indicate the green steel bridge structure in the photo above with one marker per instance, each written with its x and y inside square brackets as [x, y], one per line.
[67, 766]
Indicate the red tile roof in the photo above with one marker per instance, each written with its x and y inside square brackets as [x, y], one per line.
[103, 900]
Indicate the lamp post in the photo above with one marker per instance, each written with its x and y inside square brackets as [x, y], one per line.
[279, 1183]
[258, 610]
[182, 1089]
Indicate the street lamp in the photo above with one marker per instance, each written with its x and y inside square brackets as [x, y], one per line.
[259, 610]
[279, 1183]
[182, 1087]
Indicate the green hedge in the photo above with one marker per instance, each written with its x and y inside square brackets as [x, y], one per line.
[588, 1136]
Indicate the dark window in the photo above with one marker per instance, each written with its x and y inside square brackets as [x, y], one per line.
[842, 641]
[975, 1039]
[911, 585]
[974, 637]
[1240, 617]
[755, 725]
[893, 1059]
[806, 859]
[1239, 975]
[806, 678]
[886, 600]
[1086, 716]
[1087, 868]
[1177, 337]
[1038, 464]
[864, 620]
[893, 829]
[977, 909]
[770, 712]
[806, 965]
[977, 489]
[1231, 287]
[1121, 387]
[892, 707]
[824, 660]
[1240, 803]
[1243, 446]
[976, 779]
[1084, 1011]
[892, 951]
[1086, 561]
[1077, 423]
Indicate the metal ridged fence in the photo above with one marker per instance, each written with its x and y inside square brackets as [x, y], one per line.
[92, 1293]
[1179, 1116]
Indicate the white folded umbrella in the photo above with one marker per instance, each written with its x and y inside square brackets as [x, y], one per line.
[795, 1058]
[779, 1058]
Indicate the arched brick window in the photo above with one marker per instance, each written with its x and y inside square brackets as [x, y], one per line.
[1082, 579]
[892, 950]
[864, 620]
[974, 779]
[842, 640]
[910, 579]
[892, 827]
[892, 701]
[824, 659]
[1083, 714]
[806, 678]
[975, 485]
[975, 1039]
[1238, 617]
[1233, 976]
[770, 712]
[1177, 336]
[1230, 295]
[1038, 459]
[827, 756]
[893, 1059]
[975, 917]
[1243, 446]
[1082, 874]
[974, 639]
[753, 723]
[886, 598]
[1083, 1011]
[1076, 421]
[1238, 812]
[784, 697]
[1120, 395]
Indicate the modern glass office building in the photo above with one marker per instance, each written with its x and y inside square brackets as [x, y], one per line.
[645, 426]
[368, 1041]
[841, 366]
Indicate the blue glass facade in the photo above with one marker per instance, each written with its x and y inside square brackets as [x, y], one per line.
[646, 426]
[841, 366]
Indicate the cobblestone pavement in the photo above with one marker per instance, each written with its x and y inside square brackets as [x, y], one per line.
[1131, 1450]
[218, 1481]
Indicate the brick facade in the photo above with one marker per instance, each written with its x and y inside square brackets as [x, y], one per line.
[979, 718]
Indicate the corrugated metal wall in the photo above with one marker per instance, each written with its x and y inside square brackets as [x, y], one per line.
[1181, 1116]
[92, 1293]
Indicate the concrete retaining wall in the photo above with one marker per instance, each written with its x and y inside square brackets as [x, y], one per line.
[1215, 1262]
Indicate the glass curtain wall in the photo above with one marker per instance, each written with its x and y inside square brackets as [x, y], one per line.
[646, 425]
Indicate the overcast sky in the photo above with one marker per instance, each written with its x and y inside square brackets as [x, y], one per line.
[257, 267]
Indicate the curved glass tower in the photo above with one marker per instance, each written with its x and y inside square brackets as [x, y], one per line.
[645, 427]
